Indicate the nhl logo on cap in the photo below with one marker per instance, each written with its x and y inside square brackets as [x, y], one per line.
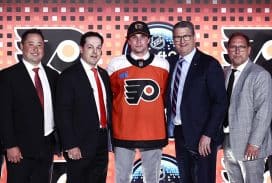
[138, 27]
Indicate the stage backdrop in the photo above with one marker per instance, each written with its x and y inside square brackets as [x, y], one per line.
[63, 21]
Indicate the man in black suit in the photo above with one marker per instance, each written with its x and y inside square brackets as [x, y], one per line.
[26, 110]
[83, 114]
[197, 105]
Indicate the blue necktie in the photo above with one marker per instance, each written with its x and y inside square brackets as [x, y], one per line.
[176, 86]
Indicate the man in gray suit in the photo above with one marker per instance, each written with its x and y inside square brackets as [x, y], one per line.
[247, 126]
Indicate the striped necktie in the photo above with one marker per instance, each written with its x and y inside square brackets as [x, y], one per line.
[176, 86]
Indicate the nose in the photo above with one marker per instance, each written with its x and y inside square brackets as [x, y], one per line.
[35, 48]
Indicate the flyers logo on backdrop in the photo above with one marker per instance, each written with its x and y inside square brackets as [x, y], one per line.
[61, 45]
[260, 38]
[144, 89]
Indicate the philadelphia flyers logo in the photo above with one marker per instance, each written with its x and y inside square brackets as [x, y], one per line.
[141, 89]
[61, 46]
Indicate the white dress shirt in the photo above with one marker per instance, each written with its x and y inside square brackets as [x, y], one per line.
[48, 106]
[92, 81]
[237, 74]
[184, 70]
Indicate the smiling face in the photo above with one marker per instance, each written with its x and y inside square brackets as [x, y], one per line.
[33, 48]
[92, 50]
[184, 40]
[238, 50]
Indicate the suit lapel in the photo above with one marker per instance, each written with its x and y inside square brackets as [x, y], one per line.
[83, 78]
[239, 84]
[192, 72]
[25, 80]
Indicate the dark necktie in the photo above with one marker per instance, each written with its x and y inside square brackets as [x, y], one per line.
[38, 85]
[103, 115]
[229, 91]
[176, 86]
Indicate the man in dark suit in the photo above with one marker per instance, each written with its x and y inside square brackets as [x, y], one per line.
[196, 107]
[26, 110]
[83, 114]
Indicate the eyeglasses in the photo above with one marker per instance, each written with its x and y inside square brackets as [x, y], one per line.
[240, 48]
[184, 37]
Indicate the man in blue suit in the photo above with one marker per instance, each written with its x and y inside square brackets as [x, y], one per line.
[196, 107]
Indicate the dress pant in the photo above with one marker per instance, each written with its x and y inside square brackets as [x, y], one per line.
[194, 168]
[90, 169]
[151, 164]
[36, 169]
[242, 171]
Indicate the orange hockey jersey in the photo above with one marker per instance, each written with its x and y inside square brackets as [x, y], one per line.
[138, 117]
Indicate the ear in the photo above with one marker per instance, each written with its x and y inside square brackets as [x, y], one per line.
[21, 46]
[81, 49]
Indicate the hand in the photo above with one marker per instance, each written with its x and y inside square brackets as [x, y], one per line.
[204, 146]
[14, 155]
[74, 153]
[252, 152]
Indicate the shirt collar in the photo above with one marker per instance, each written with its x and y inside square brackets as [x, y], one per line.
[29, 66]
[86, 66]
[188, 58]
[241, 67]
[135, 57]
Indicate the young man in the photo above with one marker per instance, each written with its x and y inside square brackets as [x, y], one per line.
[26, 110]
[138, 82]
[196, 106]
[83, 113]
[247, 131]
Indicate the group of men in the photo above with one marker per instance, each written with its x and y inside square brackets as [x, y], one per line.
[90, 110]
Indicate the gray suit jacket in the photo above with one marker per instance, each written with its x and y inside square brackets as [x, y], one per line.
[250, 111]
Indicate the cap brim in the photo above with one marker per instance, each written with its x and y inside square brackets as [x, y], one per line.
[139, 32]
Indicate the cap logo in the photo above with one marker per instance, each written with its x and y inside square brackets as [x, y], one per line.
[139, 26]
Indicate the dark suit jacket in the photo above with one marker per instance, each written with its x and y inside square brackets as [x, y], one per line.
[77, 115]
[22, 118]
[204, 100]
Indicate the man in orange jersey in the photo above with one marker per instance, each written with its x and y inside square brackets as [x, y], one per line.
[138, 81]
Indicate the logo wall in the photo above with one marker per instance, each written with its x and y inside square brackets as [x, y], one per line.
[60, 52]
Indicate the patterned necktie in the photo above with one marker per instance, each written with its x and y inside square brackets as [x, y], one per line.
[229, 91]
[38, 85]
[103, 115]
[176, 86]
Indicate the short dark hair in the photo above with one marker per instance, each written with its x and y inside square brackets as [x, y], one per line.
[90, 34]
[31, 31]
[240, 34]
[184, 24]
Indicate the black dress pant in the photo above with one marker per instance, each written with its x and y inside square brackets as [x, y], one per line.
[90, 169]
[194, 168]
[36, 169]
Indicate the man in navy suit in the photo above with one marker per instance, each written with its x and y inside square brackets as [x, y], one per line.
[196, 107]
[83, 113]
[26, 109]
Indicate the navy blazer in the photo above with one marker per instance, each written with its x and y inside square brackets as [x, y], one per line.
[76, 111]
[22, 117]
[204, 101]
